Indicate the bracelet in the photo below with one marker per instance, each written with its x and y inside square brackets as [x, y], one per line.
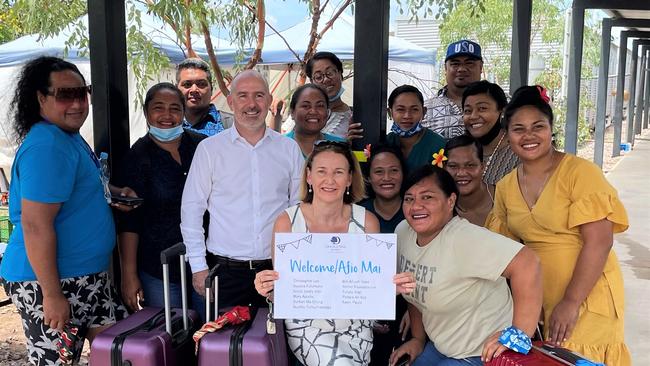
[516, 340]
[584, 362]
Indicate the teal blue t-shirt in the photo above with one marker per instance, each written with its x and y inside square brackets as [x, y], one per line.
[54, 166]
[292, 135]
[422, 152]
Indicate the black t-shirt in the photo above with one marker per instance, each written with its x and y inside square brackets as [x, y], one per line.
[385, 226]
[157, 178]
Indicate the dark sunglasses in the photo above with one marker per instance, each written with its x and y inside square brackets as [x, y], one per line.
[321, 144]
[69, 95]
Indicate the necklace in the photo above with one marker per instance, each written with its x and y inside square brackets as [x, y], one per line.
[541, 188]
[461, 209]
[487, 164]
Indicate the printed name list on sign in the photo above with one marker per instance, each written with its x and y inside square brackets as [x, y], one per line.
[335, 276]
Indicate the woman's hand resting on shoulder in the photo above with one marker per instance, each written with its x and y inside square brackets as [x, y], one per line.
[264, 281]
[405, 283]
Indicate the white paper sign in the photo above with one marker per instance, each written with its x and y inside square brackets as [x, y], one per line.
[335, 276]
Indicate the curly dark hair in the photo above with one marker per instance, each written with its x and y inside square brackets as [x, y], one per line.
[33, 78]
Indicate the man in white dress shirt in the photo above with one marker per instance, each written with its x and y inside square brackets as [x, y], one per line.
[244, 176]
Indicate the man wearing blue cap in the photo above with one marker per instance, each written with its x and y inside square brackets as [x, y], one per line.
[463, 66]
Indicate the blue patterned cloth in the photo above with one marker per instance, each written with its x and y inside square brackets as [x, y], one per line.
[209, 126]
[516, 340]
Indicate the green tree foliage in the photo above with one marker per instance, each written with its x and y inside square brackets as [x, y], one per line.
[10, 27]
[491, 28]
[190, 19]
[193, 18]
[440, 9]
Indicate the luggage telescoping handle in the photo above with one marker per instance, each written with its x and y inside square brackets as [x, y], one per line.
[212, 284]
[166, 255]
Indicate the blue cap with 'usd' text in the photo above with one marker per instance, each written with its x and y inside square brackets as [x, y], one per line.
[464, 47]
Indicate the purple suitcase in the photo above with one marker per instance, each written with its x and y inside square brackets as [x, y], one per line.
[151, 336]
[246, 344]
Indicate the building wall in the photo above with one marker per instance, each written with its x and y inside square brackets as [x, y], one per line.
[426, 34]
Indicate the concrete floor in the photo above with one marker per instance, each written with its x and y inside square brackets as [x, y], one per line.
[632, 179]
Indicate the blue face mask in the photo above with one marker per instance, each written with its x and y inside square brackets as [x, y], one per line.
[165, 134]
[338, 95]
[408, 133]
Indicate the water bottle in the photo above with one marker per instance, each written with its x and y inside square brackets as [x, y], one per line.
[105, 175]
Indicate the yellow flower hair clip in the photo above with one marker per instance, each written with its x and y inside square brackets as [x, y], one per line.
[439, 158]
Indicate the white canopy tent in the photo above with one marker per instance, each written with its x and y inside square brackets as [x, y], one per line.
[408, 63]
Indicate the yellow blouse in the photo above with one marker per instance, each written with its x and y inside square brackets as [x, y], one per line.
[576, 193]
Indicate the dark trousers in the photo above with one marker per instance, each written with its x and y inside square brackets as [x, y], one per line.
[384, 343]
[236, 282]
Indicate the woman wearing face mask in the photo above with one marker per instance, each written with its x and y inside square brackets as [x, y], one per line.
[309, 107]
[326, 70]
[418, 144]
[465, 164]
[156, 168]
[483, 103]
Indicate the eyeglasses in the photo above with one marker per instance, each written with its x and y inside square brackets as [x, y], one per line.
[201, 83]
[69, 95]
[319, 77]
[323, 144]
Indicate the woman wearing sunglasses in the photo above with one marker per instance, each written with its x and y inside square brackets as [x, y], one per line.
[331, 184]
[309, 108]
[326, 70]
[55, 267]
[156, 167]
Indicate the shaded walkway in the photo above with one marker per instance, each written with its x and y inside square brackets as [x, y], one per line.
[632, 179]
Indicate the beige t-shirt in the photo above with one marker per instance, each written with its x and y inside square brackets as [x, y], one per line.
[460, 291]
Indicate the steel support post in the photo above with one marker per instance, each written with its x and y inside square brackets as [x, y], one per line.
[620, 88]
[630, 103]
[370, 69]
[573, 87]
[646, 99]
[640, 92]
[601, 105]
[108, 65]
[520, 52]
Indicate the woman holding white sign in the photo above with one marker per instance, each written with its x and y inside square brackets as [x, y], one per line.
[462, 312]
[332, 183]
